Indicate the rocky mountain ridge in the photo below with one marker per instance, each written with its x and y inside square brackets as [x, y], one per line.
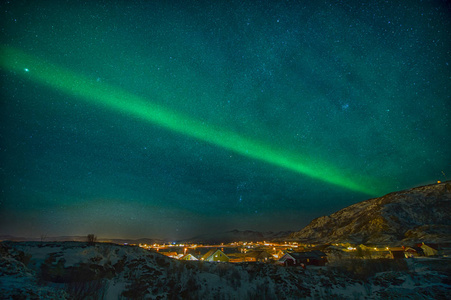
[421, 214]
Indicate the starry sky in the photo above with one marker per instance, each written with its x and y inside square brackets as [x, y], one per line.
[169, 119]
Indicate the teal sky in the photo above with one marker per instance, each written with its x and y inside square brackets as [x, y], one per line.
[171, 120]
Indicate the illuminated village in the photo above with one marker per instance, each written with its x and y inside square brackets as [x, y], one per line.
[286, 253]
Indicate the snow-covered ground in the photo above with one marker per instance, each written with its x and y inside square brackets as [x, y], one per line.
[60, 270]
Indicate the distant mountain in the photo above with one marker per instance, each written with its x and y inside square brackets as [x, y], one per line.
[222, 237]
[415, 215]
[78, 238]
[237, 235]
[14, 238]
[44, 238]
[135, 241]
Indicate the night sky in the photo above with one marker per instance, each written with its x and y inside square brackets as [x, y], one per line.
[174, 119]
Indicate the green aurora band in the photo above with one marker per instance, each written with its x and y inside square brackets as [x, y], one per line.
[116, 99]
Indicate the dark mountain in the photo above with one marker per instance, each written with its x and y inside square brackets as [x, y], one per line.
[79, 238]
[237, 236]
[73, 238]
[415, 215]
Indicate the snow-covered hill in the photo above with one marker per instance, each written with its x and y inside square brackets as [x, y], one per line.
[421, 214]
[72, 270]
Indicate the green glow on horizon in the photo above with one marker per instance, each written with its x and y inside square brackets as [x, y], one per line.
[119, 100]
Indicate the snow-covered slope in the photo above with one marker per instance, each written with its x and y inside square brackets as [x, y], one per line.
[71, 270]
[421, 214]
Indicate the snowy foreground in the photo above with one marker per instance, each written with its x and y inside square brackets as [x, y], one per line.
[73, 270]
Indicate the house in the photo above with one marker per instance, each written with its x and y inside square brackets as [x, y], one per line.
[188, 257]
[237, 257]
[430, 249]
[397, 252]
[171, 254]
[259, 256]
[215, 255]
[277, 253]
[320, 254]
[287, 260]
[316, 257]
[413, 252]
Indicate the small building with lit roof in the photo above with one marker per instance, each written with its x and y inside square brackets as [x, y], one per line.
[215, 255]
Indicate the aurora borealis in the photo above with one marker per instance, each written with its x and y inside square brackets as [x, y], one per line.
[171, 120]
[141, 109]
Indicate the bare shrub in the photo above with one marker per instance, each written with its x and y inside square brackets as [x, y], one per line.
[92, 289]
[91, 239]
